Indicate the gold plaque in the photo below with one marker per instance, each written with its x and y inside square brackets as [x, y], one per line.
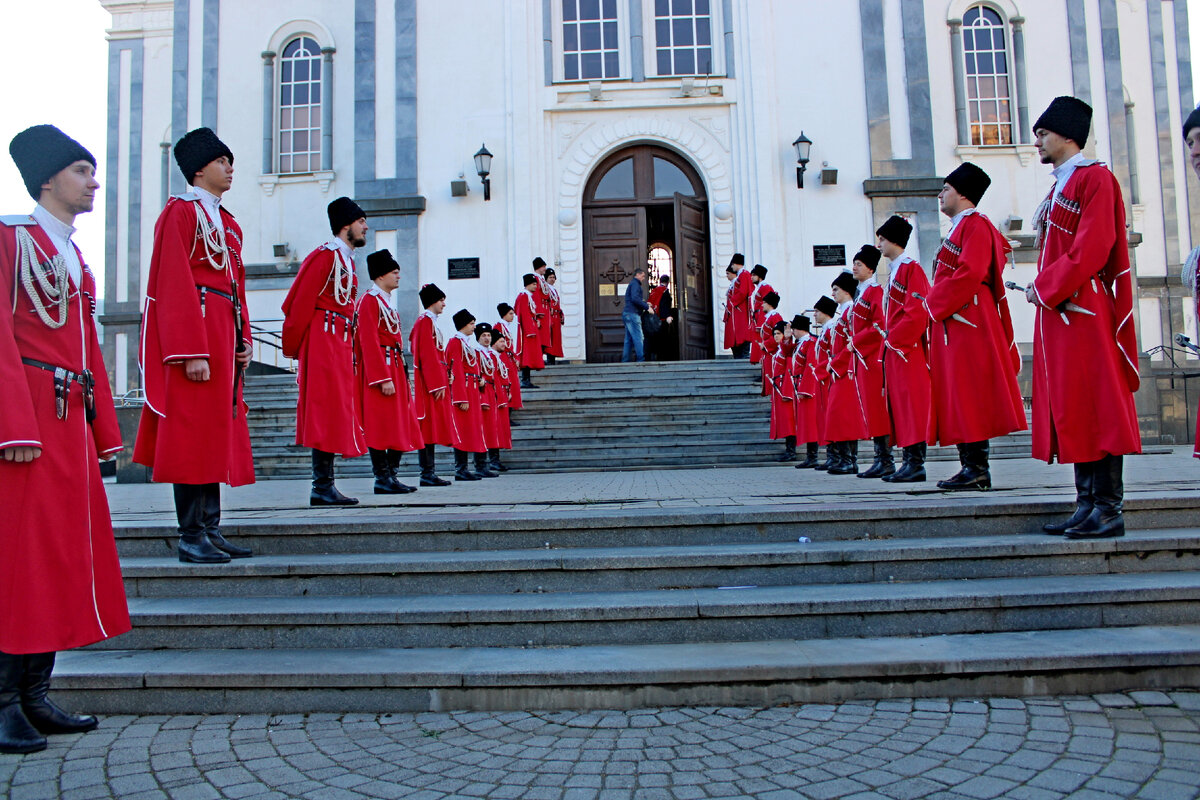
[692, 283]
[608, 290]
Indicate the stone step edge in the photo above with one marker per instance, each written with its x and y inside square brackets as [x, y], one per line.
[774, 554]
[883, 658]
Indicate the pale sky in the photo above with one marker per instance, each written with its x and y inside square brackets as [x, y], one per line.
[54, 63]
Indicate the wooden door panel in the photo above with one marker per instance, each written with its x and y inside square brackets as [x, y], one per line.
[692, 267]
[614, 243]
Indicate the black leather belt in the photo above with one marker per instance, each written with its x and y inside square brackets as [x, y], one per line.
[63, 378]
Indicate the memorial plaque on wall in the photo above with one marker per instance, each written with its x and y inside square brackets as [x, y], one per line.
[829, 255]
[459, 268]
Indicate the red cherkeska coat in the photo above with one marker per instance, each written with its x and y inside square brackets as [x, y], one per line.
[512, 361]
[783, 392]
[845, 420]
[193, 432]
[804, 379]
[542, 301]
[506, 384]
[389, 422]
[865, 315]
[529, 333]
[822, 349]
[430, 375]
[489, 398]
[905, 356]
[555, 320]
[466, 426]
[764, 340]
[60, 581]
[739, 319]
[1085, 366]
[757, 315]
[974, 364]
[318, 333]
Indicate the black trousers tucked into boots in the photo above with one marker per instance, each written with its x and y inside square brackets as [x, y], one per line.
[428, 476]
[17, 734]
[481, 466]
[974, 473]
[324, 493]
[848, 459]
[1105, 520]
[884, 465]
[810, 461]
[384, 464]
[462, 472]
[198, 510]
[912, 470]
[1085, 500]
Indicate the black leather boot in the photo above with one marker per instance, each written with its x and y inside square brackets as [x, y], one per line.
[394, 457]
[1084, 500]
[913, 469]
[849, 463]
[385, 482]
[831, 457]
[974, 474]
[212, 524]
[461, 471]
[481, 467]
[789, 449]
[190, 510]
[17, 734]
[810, 461]
[43, 714]
[884, 464]
[1106, 520]
[428, 475]
[324, 493]
[494, 463]
[525, 382]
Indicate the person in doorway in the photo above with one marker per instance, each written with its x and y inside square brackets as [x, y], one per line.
[318, 321]
[973, 359]
[1085, 353]
[430, 396]
[59, 570]
[528, 332]
[664, 346]
[389, 421]
[194, 350]
[631, 316]
[866, 326]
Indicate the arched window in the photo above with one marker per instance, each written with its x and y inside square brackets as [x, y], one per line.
[300, 107]
[988, 81]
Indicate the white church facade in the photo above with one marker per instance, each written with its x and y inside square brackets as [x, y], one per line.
[628, 131]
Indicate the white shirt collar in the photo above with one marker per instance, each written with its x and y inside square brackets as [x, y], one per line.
[211, 201]
[340, 245]
[375, 290]
[60, 234]
[1062, 173]
[959, 217]
[894, 266]
[871, 281]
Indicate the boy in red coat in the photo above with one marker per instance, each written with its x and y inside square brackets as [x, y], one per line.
[866, 321]
[430, 381]
[783, 389]
[905, 348]
[511, 332]
[466, 397]
[318, 332]
[762, 330]
[527, 305]
[1084, 344]
[804, 379]
[973, 358]
[195, 345]
[542, 299]
[738, 318]
[389, 421]
[845, 420]
[489, 400]
[765, 339]
[59, 574]
[823, 312]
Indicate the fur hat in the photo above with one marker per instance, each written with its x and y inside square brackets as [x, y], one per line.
[41, 152]
[539, 262]
[826, 305]
[503, 309]
[896, 229]
[343, 212]
[846, 282]
[779, 327]
[869, 255]
[801, 323]
[772, 299]
[1192, 121]
[529, 279]
[760, 271]
[549, 273]
[380, 263]
[738, 260]
[1067, 116]
[462, 318]
[481, 329]
[969, 181]
[196, 150]
[430, 294]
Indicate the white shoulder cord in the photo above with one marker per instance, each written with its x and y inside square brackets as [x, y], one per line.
[342, 278]
[390, 318]
[213, 237]
[52, 282]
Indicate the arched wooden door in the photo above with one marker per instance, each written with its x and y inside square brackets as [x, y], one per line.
[645, 200]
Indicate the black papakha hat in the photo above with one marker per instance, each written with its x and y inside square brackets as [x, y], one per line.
[430, 294]
[503, 309]
[381, 263]
[1067, 116]
[43, 151]
[779, 327]
[896, 229]
[497, 334]
[539, 262]
[738, 259]
[343, 212]
[846, 282]
[772, 299]
[197, 149]
[969, 181]
[869, 255]
[462, 318]
[731, 270]
[826, 305]
[1192, 121]
[481, 329]
[528, 279]
[801, 323]
[549, 271]
[760, 271]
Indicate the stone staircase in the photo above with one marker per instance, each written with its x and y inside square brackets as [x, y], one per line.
[597, 608]
[592, 417]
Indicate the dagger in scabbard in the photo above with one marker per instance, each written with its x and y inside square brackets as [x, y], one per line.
[1062, 308]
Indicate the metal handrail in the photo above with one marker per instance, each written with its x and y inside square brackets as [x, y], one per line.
[270, 343]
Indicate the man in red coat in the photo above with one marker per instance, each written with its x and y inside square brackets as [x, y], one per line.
[430, 381]
[59, 575]
[845, 419]
[739, 321]
[542, 298]
[973, 357]
[318, 323]
[905, 348]
[506, 394]
[866, 324]
[555, 316]
[823, 312]
[758, 277]
[195, 346]
[1084, 344]
[511, 352]
[466, 398]
[765, 339]
[528, 333]
[804, 378]
[1191, 267]
[389, 421]
[776, 371]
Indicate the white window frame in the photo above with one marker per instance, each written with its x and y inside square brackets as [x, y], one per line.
[1009, 74]
[650, 41]
[623, 46]
[278, 111]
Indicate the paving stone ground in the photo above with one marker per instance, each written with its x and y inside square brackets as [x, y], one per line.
[1135, 745]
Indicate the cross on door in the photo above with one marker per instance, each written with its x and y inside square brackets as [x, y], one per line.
[615, 272]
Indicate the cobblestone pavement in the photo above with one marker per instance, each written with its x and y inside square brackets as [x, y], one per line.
[1140, 744]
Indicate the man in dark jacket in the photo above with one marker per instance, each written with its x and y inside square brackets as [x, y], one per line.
[635, 304]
